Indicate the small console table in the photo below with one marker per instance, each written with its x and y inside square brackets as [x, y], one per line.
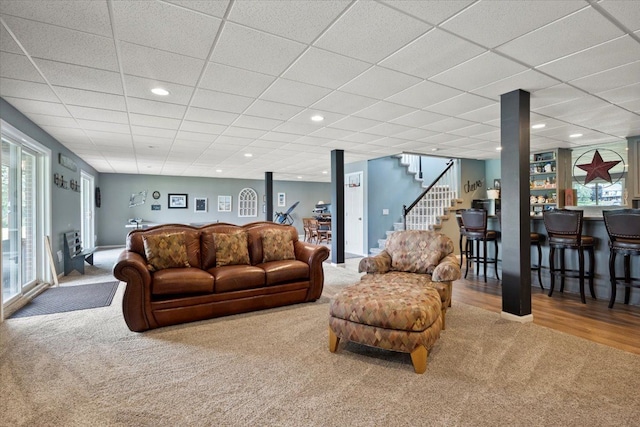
[74, 255]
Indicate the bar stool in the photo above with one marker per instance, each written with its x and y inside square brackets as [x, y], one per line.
[461, 229]
[565, 232]
[623, 227]
[475, 226]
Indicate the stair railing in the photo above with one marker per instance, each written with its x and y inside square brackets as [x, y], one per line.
[445, 188]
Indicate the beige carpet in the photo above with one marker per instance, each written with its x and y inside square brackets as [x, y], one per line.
[273, 368]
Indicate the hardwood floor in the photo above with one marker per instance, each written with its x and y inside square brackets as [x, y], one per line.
[618, 327]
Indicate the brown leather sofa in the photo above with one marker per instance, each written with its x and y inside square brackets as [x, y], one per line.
[204, 289]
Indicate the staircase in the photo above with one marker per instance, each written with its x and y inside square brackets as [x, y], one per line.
[434, 207]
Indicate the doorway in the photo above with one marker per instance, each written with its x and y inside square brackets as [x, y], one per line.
[87, 192]
[354, 213]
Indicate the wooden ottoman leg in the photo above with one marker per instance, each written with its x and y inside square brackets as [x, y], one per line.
[333, 341]
[444, 313]
[419, 359]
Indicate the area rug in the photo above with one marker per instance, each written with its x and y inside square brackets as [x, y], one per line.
[70, 298]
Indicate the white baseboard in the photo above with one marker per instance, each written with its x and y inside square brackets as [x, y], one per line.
[520, 319]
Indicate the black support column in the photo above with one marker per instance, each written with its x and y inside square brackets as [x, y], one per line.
[516, 247]
[268, 191]
[337, 206]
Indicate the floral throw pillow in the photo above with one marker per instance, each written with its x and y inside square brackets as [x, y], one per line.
[165, 251]
[277, 245]
[231, 249]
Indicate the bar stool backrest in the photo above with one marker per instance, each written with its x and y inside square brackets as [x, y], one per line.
[475, 222]
[563, 224]
[622, 224]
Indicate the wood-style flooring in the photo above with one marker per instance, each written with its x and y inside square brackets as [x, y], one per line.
[618, 327]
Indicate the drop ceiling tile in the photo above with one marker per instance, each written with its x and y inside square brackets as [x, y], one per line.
[554, 95]
[571, 34]
[344, 103]
[214, 8]
[100, 137]
[610, 79]
[153, 131]
[209, 128]
[432, 12]
[272, 110]
[416, 133]
[368, 31]
[622, 94]
[460, 104]
[220, 101]
[56, 43]
[154, 121]
[162, 26]
[234, 131]
[627, 12]
[98, 114]
[253, 122]
[484, 114]
[419, 118]
[479, 71]
[90, 17]
[279, 136]
[77, 77]
[448, 125]
[156, 64]
[301, 21]
[484, 22]
[384, 111]
[194, 136]
[85, 98]
[154, 141]
[331, 133]
[305, 117]
[294, 93]
[18, 67]
[61, 125]
[388, 129]
[104, 126]
[139, 87]
[296, 128]
[27, 90]
[210, 116]
[444, 51]
[234, 80]
[529, 81]
[155, 108]
[324, 68]
[38, 107]
[424, 94]
[610, 55]
[355, 124]
[633, 105]
[572, 107]
[267, 144]
[254, 50]
[380, 83]
[473, 130]
[7, 43]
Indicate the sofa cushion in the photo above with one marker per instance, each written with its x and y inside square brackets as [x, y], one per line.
[181, 281]
[277, 245]
[285, 271]
[165, 251]
[415, 261]
[231, 249]
[237, 277]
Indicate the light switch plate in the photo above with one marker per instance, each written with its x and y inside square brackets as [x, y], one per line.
[385, 211]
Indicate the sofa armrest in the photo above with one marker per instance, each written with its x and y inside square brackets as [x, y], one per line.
[132, 269]
[380, 263]
[314, 255]
[447, 270]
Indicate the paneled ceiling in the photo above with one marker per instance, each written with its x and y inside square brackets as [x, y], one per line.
[246, 76]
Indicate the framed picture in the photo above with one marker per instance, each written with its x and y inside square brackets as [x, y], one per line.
[282, 199]
[178, 201]
[200, 204]
[224, 203]
[496, 184]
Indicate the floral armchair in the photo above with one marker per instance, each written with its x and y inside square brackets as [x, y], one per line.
[415, 256]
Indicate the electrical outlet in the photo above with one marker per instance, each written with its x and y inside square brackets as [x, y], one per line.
[59, 256]
[385, 211]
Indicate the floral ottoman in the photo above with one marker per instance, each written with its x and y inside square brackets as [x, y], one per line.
[402, 317]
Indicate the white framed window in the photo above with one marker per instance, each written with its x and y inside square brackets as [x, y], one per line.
[248, 203]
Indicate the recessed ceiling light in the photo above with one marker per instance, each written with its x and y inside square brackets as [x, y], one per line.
[575, 135]
[434, 149]
[218, 170]
[299, 177]
[538, 126]
[325, 172]
[159, 91]
[317, 118]
[498, 148]
[248, 155]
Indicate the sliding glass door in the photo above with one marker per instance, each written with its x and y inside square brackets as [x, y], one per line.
[21, 249]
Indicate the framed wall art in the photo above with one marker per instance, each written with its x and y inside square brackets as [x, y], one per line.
[200, 204]
[224, 203]
[282, 199]
[178, 201]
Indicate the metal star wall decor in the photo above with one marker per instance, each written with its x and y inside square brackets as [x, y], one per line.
[598, 168]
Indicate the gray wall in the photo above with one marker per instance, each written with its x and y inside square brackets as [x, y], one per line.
[363, 167]
[65, 205]
[491, 172]
[389, 187]
[116, 190]
[432, 167]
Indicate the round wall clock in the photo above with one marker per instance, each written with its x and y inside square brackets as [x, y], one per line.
[156, 195]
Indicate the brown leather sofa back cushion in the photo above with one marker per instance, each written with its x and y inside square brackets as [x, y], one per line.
[191, 236]
[255, 231]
